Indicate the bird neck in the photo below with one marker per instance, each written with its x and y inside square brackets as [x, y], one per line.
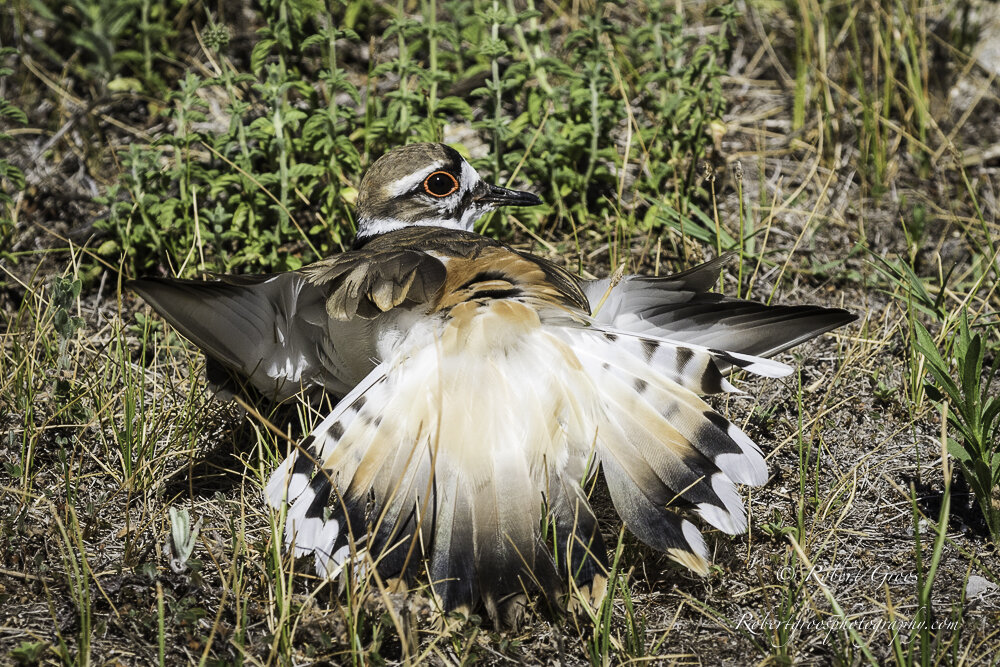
[370, 228]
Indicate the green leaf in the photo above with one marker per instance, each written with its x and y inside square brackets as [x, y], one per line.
[260, 53]
[125, 84]
[298, 171]
[971, 367]
[109, 247]
[456, 106]
[924, 344]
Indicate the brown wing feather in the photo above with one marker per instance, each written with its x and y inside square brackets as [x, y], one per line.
[441, 268]
[365, 284]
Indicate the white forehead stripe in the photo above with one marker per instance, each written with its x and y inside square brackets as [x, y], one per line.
[407, 183]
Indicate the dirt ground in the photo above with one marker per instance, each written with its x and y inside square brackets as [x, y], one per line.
[84, 544]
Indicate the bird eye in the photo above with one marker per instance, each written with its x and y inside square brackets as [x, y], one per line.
[440, 184]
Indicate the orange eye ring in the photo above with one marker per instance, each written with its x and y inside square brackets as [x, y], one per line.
[440, 184]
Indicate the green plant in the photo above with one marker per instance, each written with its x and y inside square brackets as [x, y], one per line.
[884, 48]
[929, 641]
[116, 42]
[555, 106]
[100, 33]
[78, 573]
[682, 84]
[63, 295]
[11, 178]
[558, 133]
[246, 196]
[29, 652]
[972, 410]
[414, 110]
[183, 538]
[272, 190]
[601, 642]
[327, 130]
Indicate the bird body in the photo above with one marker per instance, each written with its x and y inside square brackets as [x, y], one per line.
[495, 393]
[481, 392]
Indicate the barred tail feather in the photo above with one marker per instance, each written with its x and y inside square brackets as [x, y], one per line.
[314, 524]
[641, 502]
[674, 414]
[579, 544]
[690, 478]
[452, 453]
[693, 367]
[410, 457]
[664, 452]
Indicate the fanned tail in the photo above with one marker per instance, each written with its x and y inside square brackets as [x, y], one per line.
[431, 447]
[451, 453]
[666, 454]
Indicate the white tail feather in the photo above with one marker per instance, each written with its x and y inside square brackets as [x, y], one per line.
[471, 419]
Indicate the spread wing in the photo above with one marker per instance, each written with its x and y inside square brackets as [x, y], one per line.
[264, 329]
[315, 328]
[681, 308]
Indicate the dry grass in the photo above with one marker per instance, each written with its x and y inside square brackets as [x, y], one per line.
[109, 428]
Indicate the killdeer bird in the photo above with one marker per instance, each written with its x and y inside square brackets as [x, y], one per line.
[481, 390]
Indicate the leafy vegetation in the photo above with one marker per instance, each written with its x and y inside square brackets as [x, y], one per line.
[973, 411]
[11, 178]
[256, 169]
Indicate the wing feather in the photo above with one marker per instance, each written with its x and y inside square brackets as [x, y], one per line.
[680, 308]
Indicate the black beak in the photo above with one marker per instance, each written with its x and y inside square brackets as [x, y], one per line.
[497, 196]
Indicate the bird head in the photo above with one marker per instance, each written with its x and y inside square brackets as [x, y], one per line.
[427, 185]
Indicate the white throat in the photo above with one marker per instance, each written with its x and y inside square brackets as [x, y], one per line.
[368, 228]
